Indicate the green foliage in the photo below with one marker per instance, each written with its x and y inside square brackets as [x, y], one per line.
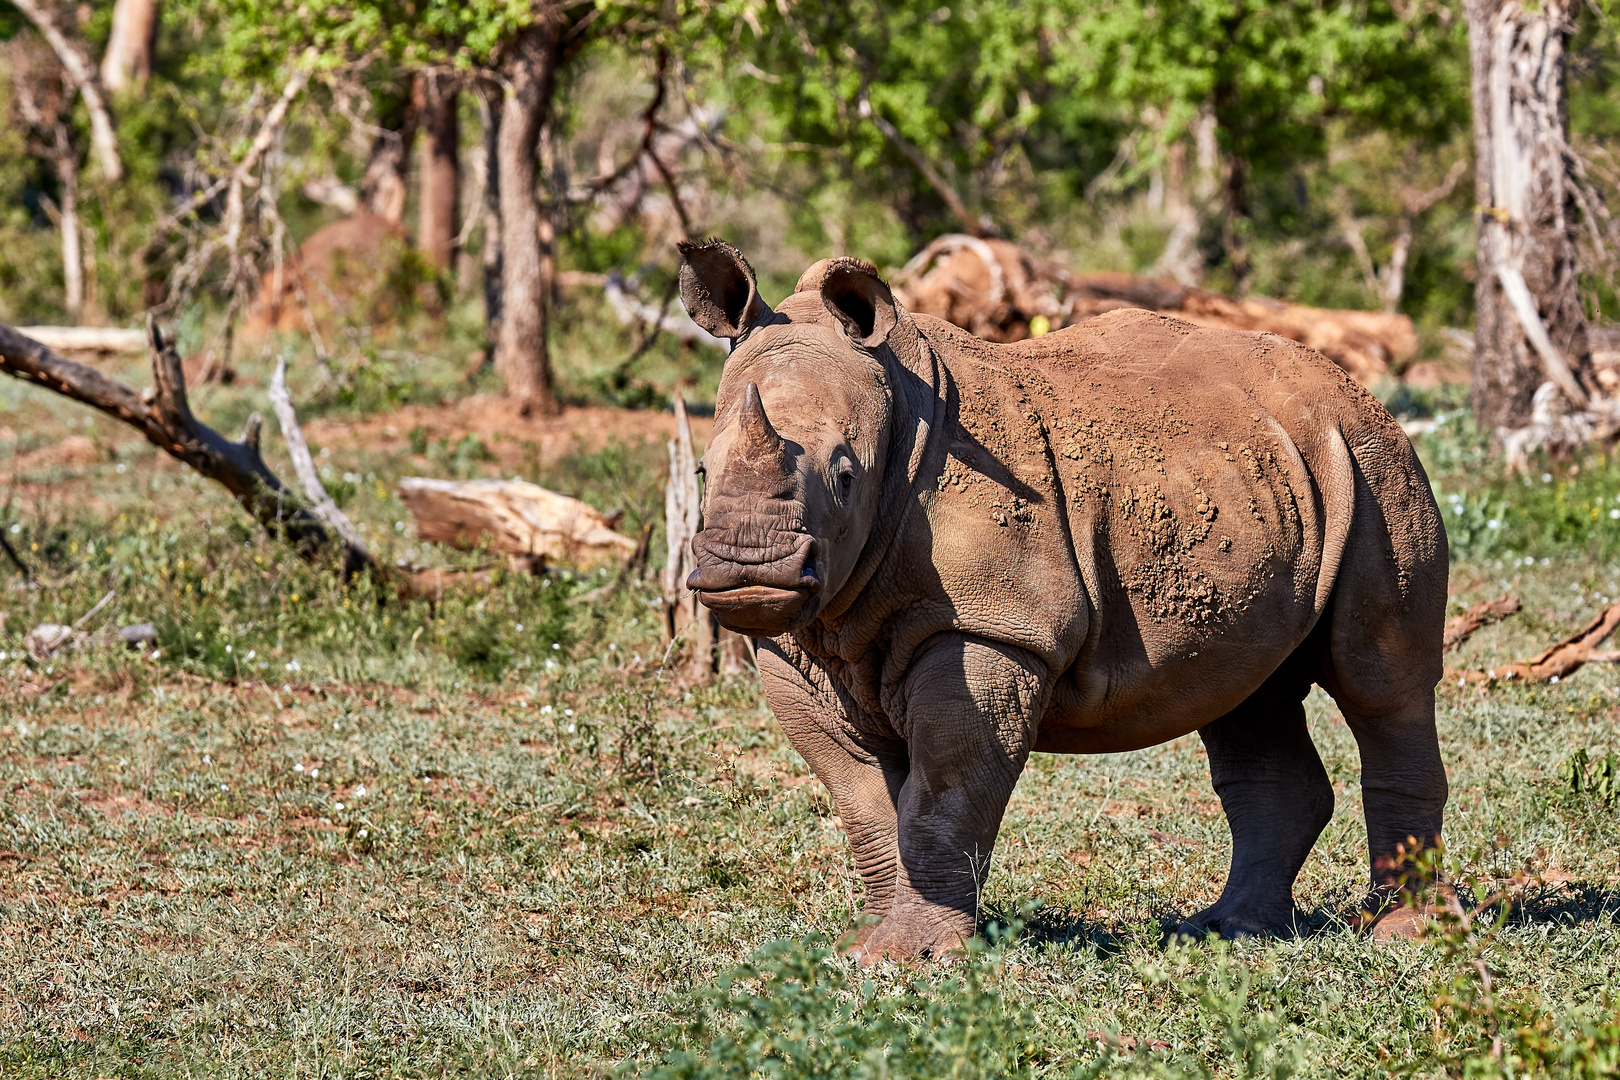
[1482, 1030]
[1591, 780]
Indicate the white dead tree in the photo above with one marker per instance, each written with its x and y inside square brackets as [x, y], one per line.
[1534, 204]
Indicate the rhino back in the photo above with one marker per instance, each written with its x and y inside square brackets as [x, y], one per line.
[1153, 508]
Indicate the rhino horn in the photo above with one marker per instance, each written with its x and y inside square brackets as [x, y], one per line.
[760, 442]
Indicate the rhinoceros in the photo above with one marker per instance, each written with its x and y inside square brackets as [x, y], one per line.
[953, 554]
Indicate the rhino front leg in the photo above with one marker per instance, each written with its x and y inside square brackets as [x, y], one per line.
[969, 716]
[863, 773]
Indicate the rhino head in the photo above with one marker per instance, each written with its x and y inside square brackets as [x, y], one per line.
[794, 471]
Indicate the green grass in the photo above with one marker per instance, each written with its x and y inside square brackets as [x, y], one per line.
[564, 862]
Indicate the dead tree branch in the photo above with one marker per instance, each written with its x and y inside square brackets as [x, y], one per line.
[355, 554]
[163, 415]
[102, 136]
[971, 225]
[239, 174]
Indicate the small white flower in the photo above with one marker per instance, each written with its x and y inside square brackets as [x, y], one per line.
[298, 767]
[1553, 679]
[570, 729]
[122, 466]
[545, 709]
[568, 712]
[520, 628]
[337, 806]
[1614, 514]
[399, 526]
[1546, 562]
[361, 834]
[556, 645]
[1546, 478]
[1493, 524]
[252, 653]
[122, 762]
[613, 647]
[523, 704]
[224, 787]
[227, 648]
[207, 760]
[286, 686]
[336, 725]
[551, 663]
[291, 665]
[360, 792]
[313, 773]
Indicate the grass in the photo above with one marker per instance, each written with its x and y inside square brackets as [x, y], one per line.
[323, 835]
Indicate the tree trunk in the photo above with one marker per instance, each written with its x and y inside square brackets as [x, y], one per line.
[490, 107]
[520, 353]
[67, 220]
[1530, 326]
[72, 259]
[440, 199]
[127, 63]
[382, 189]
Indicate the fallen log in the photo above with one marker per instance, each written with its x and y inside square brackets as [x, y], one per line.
[163, 415]
[1557, 662]
[515, 517]
[1478, 616]
[999, 292]
[98, 339]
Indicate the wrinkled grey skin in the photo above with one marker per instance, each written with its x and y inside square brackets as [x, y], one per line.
[953, 554]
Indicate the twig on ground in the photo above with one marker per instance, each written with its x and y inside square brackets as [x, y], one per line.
[78, 624]
[1482, 614]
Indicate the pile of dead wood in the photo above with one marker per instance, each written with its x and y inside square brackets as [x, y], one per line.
[1556, 662]
[1000, 292]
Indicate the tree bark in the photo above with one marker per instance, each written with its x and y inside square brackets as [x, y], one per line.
[440, 200]
[1530, 325]
[127, 63]
[382, 189]
[520, 352]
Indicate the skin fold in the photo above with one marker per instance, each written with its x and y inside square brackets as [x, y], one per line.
[953, 553]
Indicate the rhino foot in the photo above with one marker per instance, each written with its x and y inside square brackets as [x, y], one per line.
[1227, 921]
[905, 940]
[1400, 917]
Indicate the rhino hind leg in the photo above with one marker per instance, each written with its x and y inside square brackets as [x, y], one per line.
[1381, 664]
[1277, 800]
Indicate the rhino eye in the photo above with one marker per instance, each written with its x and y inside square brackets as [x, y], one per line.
[846, 478]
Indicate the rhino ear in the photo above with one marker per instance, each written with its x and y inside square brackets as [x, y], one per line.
[855, 294]
[718, 288]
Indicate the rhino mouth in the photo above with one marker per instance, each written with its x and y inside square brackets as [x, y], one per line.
[753, 607]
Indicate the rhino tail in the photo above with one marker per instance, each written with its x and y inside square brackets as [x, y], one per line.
[1337, 481]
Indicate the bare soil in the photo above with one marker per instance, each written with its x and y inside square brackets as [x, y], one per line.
[509, 435]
